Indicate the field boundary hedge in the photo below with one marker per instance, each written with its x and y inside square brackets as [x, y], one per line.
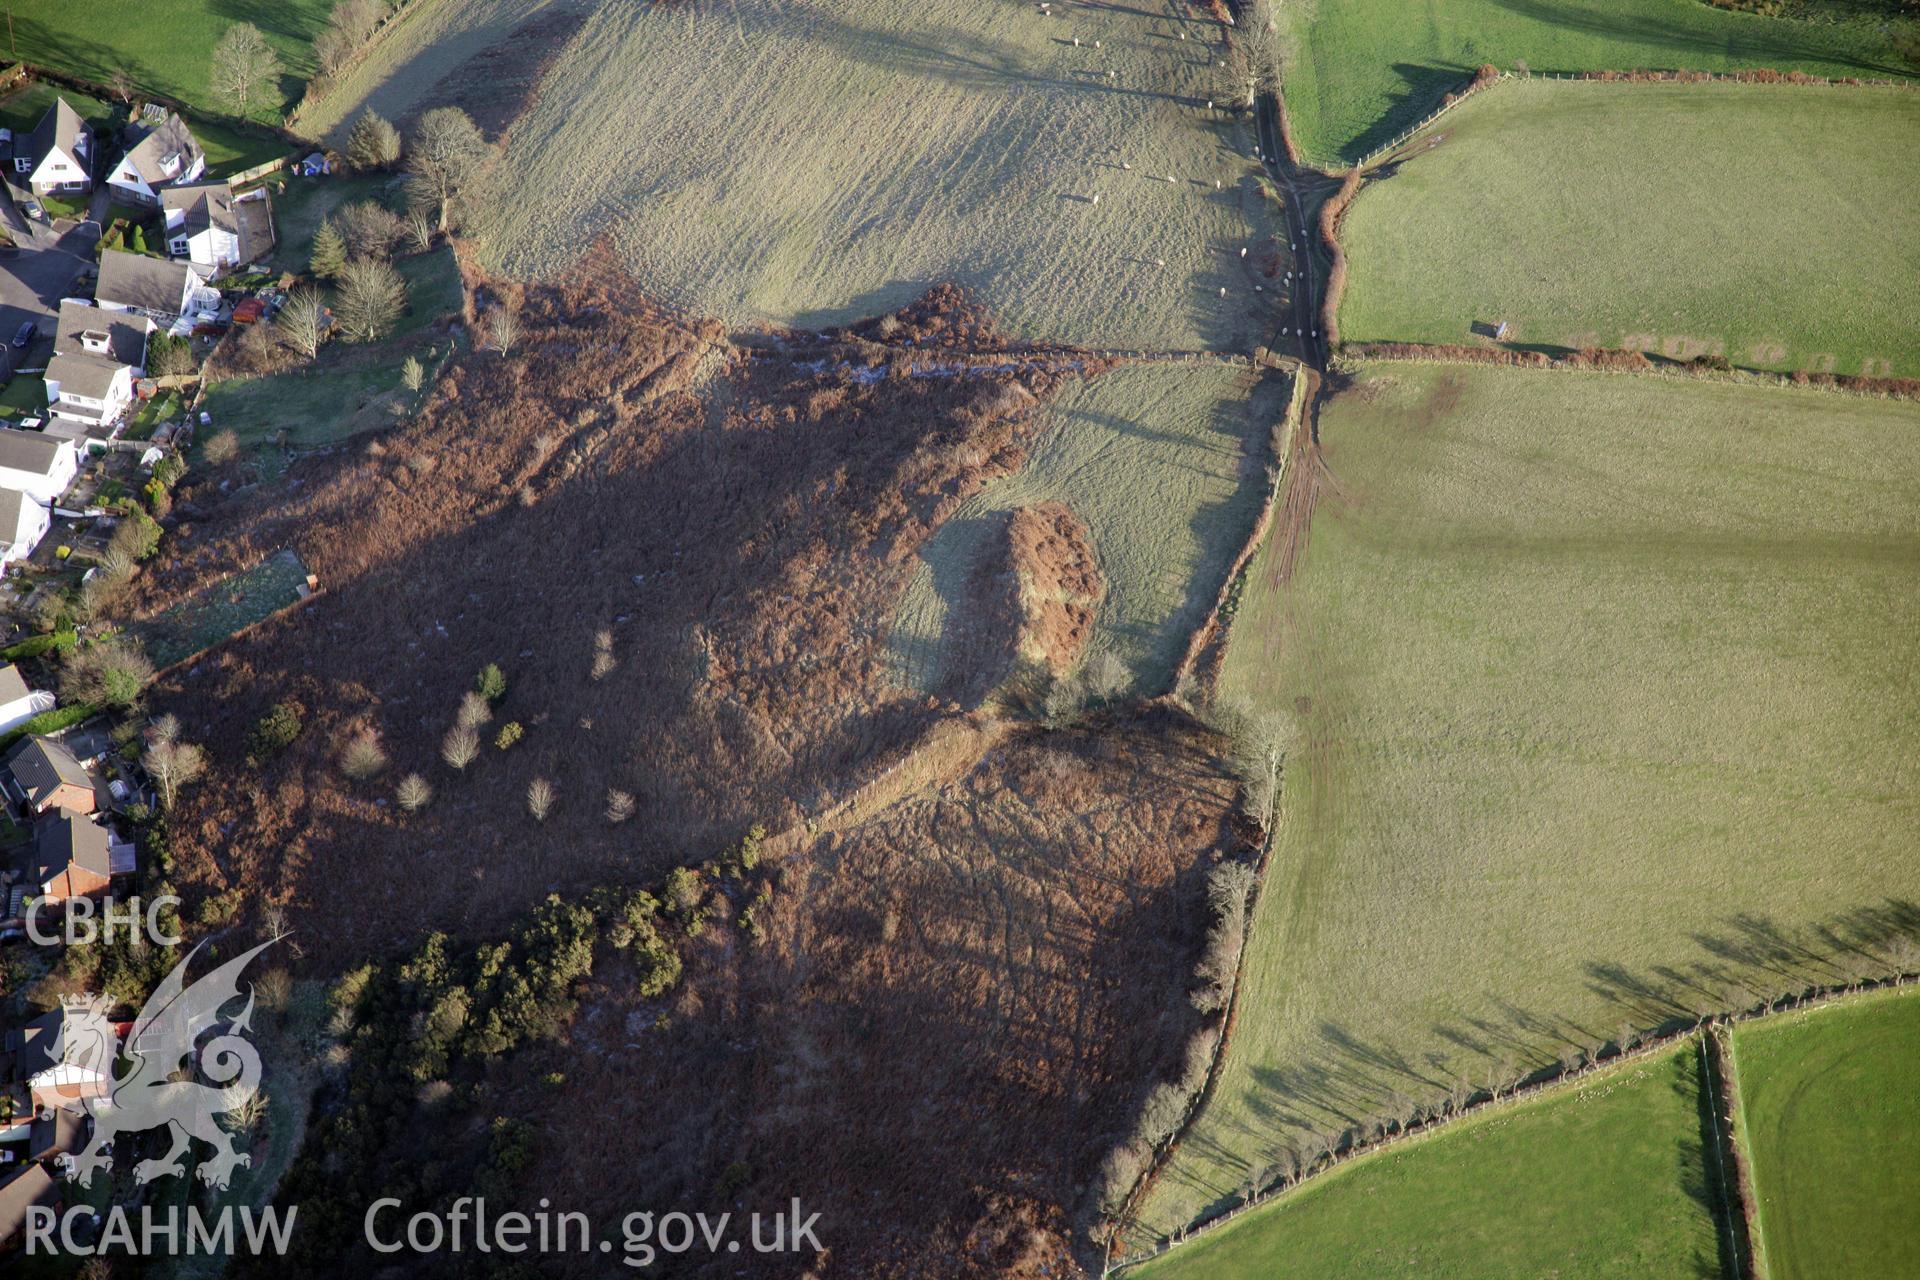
[1546, 1079]
[1621, 360]
[1483, 80]
[1723, 1085]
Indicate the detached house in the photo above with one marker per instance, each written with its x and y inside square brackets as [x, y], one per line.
[56, 159]
[47, 1063]
[37, 465]
[42, 775]
[70, 858]
[160, 290]
[97, 355]
[215, 229]
[23, 522]
[165, 154]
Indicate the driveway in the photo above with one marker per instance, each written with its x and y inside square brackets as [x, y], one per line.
[33, 281]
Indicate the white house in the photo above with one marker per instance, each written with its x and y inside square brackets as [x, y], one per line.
[40, 466]
[23, 522]
[86, 330]
[57, 158]
[215, 229]
[167, 153]
[19, 704]
[90, 390]
[161, 290]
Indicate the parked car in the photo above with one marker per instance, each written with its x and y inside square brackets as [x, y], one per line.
[26, 333]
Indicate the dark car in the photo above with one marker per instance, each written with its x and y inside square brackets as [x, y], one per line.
[25, 334]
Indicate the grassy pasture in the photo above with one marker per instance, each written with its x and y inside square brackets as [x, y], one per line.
[1597, 693]
[1606, 1178]
[812, 163]
[165, 45]
[204, 620]
[1830, 1109]
[1753, 221]
[1165, 466]
[1358, 72]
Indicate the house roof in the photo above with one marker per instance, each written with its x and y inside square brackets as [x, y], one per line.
[204, 204]
[60, 127]
[63, 1131]
[125, 335]
[32, 1043]
[170, 137]
[33, 1185]
[90, 376]
[40, 765]
[65, 840]
[29, 451]
[13, 686]
[135, 280]
[13, 511]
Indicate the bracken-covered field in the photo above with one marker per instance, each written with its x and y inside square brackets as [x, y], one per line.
[1358, 72]
[1598, 694]
[1166, 465]
[1608, 1177]
[1829, 1105]
[1757, 222]
[812, 163]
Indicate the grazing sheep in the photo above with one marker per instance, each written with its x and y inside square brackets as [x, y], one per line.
[1126, 166]
[1243, 251]
[1159, 262]
[1076, 42]
[1096, 197]
[1223, 291]
[1218, 185]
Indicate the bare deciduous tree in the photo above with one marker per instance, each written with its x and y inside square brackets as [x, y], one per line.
[369, 228]
[540, 799]
[413, 374]
[120, 81]
[374, 143]
[222, 448]
[443, 156]
[372, 296]
[419, 227]
[172, 765]
[303, 321]
[474, 711]
[603, 659]
[503, 329]
[363, 755]
[244, 66]
[459, 747]
[413, 793]
[619, 805]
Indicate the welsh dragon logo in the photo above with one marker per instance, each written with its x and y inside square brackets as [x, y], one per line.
[147, 1092]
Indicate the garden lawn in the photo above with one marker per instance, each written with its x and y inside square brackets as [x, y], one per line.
[1765, 223]
[1358, 72]
[166, 45]
[347, 390]
[1165, 465]
[1605, 1178]
[1830, 1113]
[1598, 688]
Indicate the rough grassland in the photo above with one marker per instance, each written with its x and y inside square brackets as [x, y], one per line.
[1766, 223]
[1603, 693]
[1830, 1106]
[1363, 70]
[1165, 465]
[1604, 1179]
[813, 163]
[165, 45]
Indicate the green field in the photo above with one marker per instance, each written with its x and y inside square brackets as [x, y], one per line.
[1599, 691]
[1165, 465]
[1358, 72]
[165, 45]
[812, 163]
[349, 389]
[1602, 1179]
[1830, 1112]
[1750, 221]
[205, 619]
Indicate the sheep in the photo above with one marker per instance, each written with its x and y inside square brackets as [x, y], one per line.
[1126, 166]
[1159, 262]
[1096, 197]
[1223, 291]
[1243, 251]
[1219, 185]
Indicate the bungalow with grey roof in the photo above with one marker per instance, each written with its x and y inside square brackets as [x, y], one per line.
[159, 289]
